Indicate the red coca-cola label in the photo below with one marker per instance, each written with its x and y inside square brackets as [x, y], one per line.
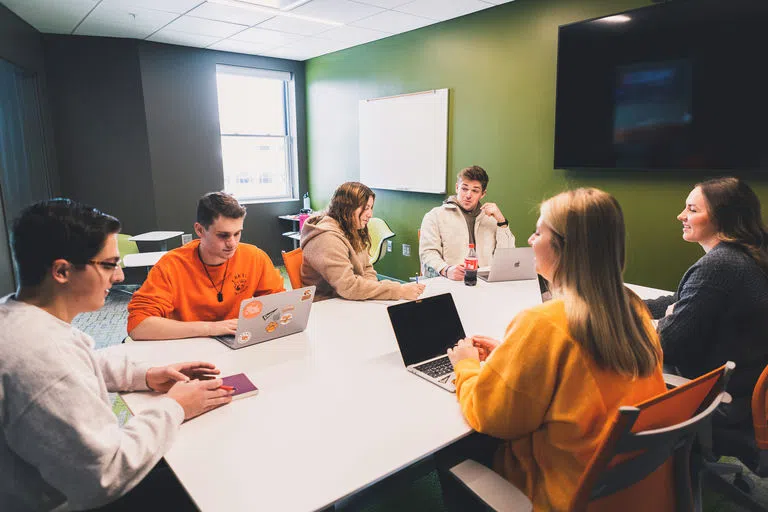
[470, 263]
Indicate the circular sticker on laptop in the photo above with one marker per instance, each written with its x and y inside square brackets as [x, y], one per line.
[286, 318]
[252, 309]
[271, 326]
[244, 337]
[306, 295]
[289, 307]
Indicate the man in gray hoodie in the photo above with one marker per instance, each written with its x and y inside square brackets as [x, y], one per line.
[61, 447]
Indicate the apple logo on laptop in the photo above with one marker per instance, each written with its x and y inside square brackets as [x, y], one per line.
[517, 264]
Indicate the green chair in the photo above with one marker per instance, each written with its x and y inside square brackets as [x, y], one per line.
[125, 246]
[380, 233]
[133, 276]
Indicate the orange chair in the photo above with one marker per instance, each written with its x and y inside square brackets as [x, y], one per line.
[293, 260]
[649, 443]
[749, 446]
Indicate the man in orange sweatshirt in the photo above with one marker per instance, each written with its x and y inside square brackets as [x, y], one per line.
[196, 290]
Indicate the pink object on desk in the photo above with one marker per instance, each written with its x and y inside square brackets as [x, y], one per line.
[302, 218]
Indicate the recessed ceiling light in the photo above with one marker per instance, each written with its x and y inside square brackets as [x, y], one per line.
[619, 18]
[275, 12]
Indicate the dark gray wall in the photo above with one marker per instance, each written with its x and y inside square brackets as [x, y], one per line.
[137, 131]
[21, 45]
[101, 131]
[179, 86]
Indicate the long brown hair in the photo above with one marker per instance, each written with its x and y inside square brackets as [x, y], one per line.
[346, 199]
[610, 322]
[735, 211]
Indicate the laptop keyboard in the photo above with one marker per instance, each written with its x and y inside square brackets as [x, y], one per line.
[436, 368]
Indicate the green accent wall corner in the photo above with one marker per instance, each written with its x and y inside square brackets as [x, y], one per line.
[500, 65]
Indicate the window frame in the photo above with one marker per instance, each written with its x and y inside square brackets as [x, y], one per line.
[290, 137]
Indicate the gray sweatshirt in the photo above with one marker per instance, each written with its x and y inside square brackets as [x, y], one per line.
[720, 314]
[60, 443]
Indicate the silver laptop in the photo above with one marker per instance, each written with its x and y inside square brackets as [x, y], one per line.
[271, 316]
[425, 329]
[510, 265]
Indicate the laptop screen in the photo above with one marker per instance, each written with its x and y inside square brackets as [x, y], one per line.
[426, 328]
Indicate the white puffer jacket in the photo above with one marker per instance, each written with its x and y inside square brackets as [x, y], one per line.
[444, 238]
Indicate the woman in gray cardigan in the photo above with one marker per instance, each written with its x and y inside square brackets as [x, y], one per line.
[720, 310]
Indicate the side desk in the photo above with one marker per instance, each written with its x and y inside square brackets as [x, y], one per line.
[337, 411]
[294, 233]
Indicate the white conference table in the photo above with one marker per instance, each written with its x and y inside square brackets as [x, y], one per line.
[336, 412]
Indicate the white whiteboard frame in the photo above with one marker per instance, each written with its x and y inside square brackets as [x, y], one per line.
[404, 142]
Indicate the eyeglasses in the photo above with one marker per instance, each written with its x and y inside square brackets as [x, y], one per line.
[109, 265]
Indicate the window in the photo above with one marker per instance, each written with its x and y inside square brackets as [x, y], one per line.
[258, 133]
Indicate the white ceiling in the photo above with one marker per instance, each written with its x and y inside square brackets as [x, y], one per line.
[290, 29]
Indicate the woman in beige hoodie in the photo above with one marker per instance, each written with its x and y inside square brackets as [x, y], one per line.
[335, 246]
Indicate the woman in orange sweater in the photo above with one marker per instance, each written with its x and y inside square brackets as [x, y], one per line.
[567, 365]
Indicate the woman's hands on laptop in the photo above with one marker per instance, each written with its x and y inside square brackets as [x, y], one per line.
[484, 345]
[464, 349]
[476, 347]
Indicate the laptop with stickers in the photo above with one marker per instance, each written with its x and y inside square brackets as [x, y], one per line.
[510, 265]
[273, 316]
[425, 329]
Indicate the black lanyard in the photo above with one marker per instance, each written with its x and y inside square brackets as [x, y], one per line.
[219, 295]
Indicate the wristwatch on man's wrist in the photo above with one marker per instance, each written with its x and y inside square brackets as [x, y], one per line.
[502, 224]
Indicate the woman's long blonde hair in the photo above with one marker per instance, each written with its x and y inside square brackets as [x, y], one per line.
[611, 322]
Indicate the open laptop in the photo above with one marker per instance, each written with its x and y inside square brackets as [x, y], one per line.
[510, 265]
[425, 329]
[268, 317]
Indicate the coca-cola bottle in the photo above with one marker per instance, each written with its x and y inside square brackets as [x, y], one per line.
[470, 267]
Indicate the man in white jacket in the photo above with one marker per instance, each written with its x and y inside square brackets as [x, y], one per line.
[448, 229]
[61, 447]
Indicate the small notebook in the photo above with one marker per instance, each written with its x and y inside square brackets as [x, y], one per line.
[242, 384]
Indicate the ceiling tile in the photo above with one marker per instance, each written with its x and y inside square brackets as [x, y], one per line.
[393, 21]
[354, 35]
[212, 11]
[386, 4]
[342, 11]
[182, 38]
[316, 45]
[277, 4]
[282, 53]
[306, 48]
[232, 45]
[177, 6]
[295, 25]
[135, 22]
[261, 36]
[112, 30]
[200, 26]
[442, 9]
[59, 17]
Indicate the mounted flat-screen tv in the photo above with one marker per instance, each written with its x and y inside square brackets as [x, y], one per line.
[677, 85]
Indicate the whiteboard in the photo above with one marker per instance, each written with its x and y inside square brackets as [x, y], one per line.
[404, 142]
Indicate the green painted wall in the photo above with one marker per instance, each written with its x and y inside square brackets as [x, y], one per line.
[500, 67]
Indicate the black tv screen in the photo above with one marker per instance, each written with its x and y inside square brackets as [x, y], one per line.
[679, 85]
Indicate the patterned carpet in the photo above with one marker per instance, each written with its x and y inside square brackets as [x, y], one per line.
[108, 327]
